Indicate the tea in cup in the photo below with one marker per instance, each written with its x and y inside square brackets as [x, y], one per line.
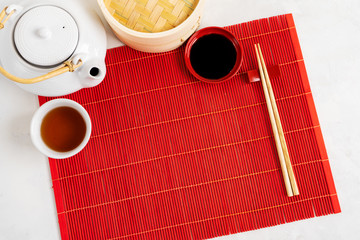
[60, 128]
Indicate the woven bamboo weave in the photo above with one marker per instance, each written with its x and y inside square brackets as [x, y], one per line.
[150, 15]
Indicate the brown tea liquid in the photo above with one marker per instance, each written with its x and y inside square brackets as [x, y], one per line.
[213, 56]
[63, 129]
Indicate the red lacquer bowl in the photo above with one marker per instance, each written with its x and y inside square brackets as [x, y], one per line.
[219, 31]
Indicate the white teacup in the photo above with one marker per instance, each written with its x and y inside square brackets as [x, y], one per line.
[37, 121]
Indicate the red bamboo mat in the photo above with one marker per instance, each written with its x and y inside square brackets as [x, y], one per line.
[174, 158]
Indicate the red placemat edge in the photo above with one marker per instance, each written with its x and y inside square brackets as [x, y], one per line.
[59, 200]
[314, 116]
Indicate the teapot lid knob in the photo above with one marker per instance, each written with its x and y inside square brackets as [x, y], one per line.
[44, 33]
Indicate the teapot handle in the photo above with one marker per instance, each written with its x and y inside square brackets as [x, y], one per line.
[4, 16]
[67, 66]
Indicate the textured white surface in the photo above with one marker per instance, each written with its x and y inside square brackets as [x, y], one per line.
[329, 33]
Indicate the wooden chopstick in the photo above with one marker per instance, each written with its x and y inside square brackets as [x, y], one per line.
[274, 127]
[284, 147]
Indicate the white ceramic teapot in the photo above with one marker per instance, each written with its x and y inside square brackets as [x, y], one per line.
[52, 47]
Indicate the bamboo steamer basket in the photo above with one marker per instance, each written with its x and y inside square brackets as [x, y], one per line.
[153, 25]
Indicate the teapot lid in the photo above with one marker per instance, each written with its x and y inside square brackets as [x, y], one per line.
[46, 36]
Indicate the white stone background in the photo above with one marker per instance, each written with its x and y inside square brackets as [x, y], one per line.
[329, 33]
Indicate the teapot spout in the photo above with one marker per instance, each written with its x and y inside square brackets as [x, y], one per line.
[92, 73]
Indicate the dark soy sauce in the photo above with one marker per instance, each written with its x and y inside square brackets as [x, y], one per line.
[213, 56]
[63, 129]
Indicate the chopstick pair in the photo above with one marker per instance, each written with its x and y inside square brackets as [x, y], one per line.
[283, 153]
